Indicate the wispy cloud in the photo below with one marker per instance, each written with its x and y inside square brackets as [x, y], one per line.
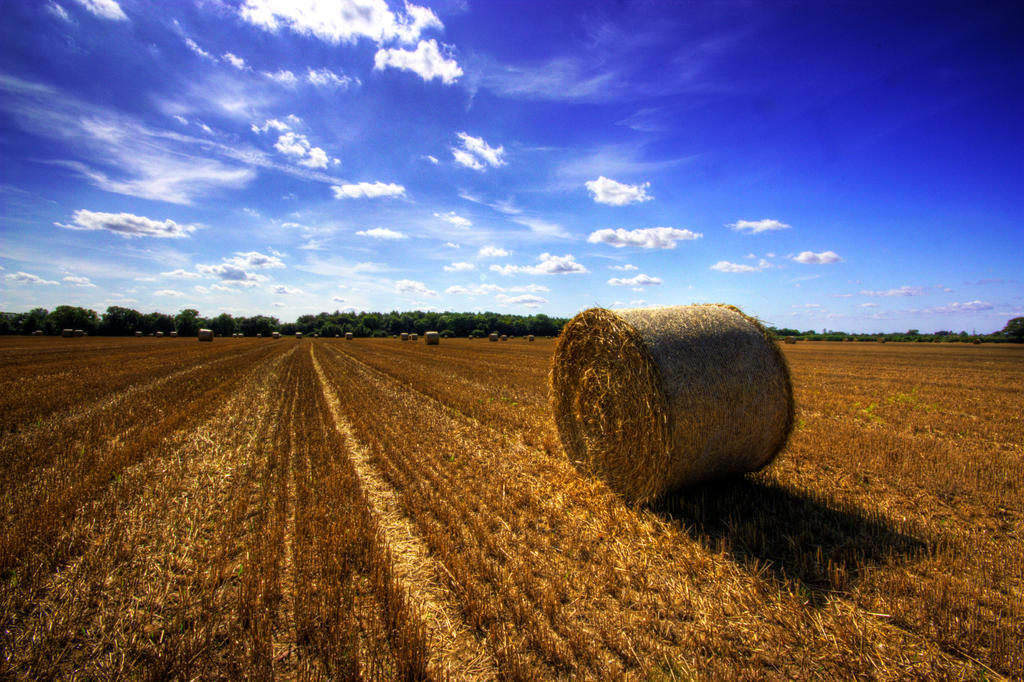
[900, 291]
[548, 265]
[823, 258]
[382, 233]
[756, 226]
[371, 190]
[612, 193]
[645, 238]
[640, 280]
[28, 278]
[475, 153]
[127, 225]
[105, 9]
[426, 61]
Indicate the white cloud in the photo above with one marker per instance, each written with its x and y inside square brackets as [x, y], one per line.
[127, 225]
[105, 9]
[970, 306]
[234, 271]
[282, 76]
[901, 291]
[645, 238]
[868, 305]
[542, 227]
[452, 245]
[459, 267]
[181, 274]
[626, 268]
[296, 145]
[58, 11]
[370, 190]
[607, 191]
[726, 266]
[477, 154]
[432, 159]
[325, 78]
[532, 288]
[823, 258]
[234, 60]
[640, 280]
[343, 21]
[492, 252]
[755, 226]
[548, 265]
[381, 233]
[409, 286]
[526, 300]
[338, 299]
[28, 278]
[456, 220]
[174, 293]
[255, 259]
[426, 61]
[79, 281]
[192, 45]
[312, 245]
[275, 124]
[286, 290]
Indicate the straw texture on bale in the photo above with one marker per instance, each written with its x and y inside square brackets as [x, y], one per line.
[493, 336]
[432, 338]
[404, 336]
[205, 334]
[656, 399]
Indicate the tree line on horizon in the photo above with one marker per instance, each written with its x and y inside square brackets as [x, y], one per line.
[121, 321]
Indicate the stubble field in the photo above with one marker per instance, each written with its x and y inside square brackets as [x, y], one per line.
[331, 509]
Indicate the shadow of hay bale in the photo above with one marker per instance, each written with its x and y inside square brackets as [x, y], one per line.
[796, 536]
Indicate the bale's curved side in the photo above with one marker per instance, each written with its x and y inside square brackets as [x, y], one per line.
[656, 399]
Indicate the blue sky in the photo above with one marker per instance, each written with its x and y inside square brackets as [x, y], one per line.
[836, 165]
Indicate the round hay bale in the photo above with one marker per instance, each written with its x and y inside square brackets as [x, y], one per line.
[404, 336]
[414, 336]
[530, 337]
[67, 333]
[138, 333]
[298, 335]
[504, 337]
[432, 338]
[656, 399]
[275, 335]
[790, 339]
[173, 335]
[348, 336]
[205, 334]
[493, 336]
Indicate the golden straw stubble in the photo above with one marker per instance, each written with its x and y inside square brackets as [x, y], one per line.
[656, 399]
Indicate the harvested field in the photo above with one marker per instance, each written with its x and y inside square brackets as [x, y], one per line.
[327, 509]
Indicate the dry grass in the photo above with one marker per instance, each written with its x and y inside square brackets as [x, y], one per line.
[334, 510]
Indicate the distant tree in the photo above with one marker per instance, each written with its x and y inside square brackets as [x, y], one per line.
[223, 325]
[187, 322]
[259, 324]
[26, 323]
[1014, 330]
[157, 322]
[7, 324]
[119, 321]
[73, 317]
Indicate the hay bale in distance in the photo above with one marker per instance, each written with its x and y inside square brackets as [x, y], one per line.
[790, 339]
[656, 399]
[404, 336]
[138, 333]
[275, 335]
[348, 336]
[160, 334]
[298, 335]
[414, 336]
[173, 335]
[205, 334]
[504, 337]
[529, 337]
[432, 338]
[493, 336]
[67, 333]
